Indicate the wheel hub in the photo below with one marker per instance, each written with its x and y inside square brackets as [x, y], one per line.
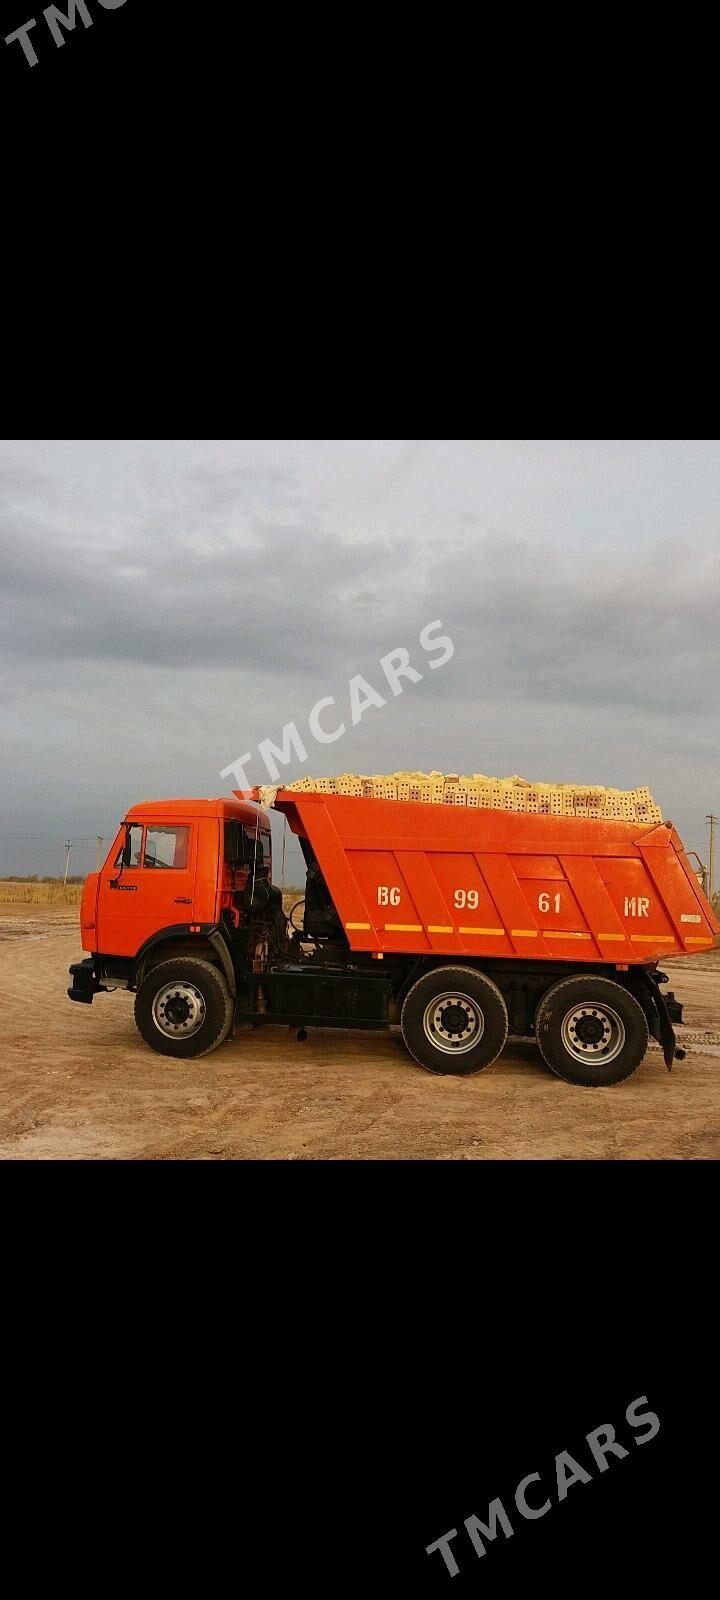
[593, 1031]
[454, 1019]
[590, 1030]
[178, 1010]
[453, 1023]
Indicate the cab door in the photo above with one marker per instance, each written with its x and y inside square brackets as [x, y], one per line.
[147, 885]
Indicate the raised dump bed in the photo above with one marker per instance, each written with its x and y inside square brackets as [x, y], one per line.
[408, 877]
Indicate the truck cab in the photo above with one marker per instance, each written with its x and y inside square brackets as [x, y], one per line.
[182, 881]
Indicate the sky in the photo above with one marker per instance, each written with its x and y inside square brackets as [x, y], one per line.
[168, 604]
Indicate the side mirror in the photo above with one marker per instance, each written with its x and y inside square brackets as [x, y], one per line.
[124, 860]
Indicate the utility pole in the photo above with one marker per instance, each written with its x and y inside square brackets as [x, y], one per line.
[68, 847]
[98, 858]
[713, 821]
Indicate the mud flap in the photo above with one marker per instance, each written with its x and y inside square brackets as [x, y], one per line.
[666, 1030]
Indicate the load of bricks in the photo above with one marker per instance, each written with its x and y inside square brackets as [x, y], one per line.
[493, 794]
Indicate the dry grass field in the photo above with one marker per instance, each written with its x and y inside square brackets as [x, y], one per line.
[55, 894]
[77, 1083]
[39, 894]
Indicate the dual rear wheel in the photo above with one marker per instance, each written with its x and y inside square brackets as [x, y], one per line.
[590, 1030]
[454, 1020]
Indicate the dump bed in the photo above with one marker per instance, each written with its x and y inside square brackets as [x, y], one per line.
[426, 879]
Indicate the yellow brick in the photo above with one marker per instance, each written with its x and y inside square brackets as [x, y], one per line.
[505, 794]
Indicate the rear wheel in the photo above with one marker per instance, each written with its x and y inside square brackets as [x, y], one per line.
[183, 1007]
[591, 1031]
[454, 1020]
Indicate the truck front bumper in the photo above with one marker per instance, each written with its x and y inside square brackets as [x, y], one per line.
[85, 982]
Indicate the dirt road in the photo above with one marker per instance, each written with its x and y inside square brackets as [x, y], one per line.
[77, 1083]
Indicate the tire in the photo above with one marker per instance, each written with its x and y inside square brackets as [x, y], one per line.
[591, 1031]
[184, 1007]
[454, 1020]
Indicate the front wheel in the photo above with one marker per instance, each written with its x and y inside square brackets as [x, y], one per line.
[454, 1020]
[591, 1031]
[183, 1007]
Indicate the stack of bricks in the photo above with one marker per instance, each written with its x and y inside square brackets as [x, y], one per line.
[494, 794]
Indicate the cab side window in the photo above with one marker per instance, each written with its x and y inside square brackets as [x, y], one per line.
[167, 848]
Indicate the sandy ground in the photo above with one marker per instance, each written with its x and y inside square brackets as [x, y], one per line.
[77, 1083]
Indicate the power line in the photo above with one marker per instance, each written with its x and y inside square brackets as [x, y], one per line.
[713, 822]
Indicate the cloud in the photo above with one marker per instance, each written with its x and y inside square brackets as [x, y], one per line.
[275, 594]
[594, 626]
[193, 598]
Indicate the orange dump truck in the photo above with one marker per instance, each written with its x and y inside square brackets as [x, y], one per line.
[458, 924]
